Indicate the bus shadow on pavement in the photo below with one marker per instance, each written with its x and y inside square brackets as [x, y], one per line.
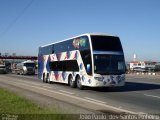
[129, 86]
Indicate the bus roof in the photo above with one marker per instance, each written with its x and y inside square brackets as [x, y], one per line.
[87, 34]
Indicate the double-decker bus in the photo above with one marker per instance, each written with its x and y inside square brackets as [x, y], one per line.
[92, 59]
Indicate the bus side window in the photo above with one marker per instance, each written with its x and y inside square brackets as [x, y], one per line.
[52, 47]
[88, 64]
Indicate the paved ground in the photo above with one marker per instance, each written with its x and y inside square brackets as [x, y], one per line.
[24, 86]
[140, 95]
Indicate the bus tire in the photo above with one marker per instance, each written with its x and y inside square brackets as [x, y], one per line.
[71, 82]
[44, 77]
[78, 83]
[47, 78]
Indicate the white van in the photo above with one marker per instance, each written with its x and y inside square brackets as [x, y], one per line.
[26, 67]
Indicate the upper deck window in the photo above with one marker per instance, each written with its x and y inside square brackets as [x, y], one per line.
[106, 43]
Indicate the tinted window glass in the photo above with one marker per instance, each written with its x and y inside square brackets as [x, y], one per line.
[79, 43]
[69, 65]
[109, 64]
[106, 43]
[86, 57]
[46, 50]
[29, 64]
[56, 66]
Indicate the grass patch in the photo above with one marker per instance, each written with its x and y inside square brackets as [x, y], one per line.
[16, 107]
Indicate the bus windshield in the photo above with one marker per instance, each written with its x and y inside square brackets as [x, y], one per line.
[109, 64]
[106, 43]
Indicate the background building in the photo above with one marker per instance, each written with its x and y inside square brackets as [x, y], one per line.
[142, 65]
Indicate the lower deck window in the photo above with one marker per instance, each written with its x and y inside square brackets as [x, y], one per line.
[68, 65]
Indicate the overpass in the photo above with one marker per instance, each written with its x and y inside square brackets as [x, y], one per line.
[19, 57]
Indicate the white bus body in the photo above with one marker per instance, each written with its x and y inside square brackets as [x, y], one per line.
[94, 60]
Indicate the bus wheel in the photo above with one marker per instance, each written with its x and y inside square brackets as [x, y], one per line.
[47, 78]
[43, 77]
[78, 82]
[71, 82]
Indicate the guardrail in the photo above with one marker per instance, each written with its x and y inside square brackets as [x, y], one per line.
[144, 73]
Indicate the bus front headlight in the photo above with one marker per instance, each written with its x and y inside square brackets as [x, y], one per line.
[99, 78]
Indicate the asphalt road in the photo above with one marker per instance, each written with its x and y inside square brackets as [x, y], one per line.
[140, 95]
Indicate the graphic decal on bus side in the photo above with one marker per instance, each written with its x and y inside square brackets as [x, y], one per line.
[58, 56]
[53, 57]
[81, 66]
[76, 43]
[40, 66]
[48, 62]
[56, 75]
[76, 55]
[62, 76]
[79, 42]
[82, 42]
[59, 76]
[68, 54]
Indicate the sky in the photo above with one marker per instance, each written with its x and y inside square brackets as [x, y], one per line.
[27, 24]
